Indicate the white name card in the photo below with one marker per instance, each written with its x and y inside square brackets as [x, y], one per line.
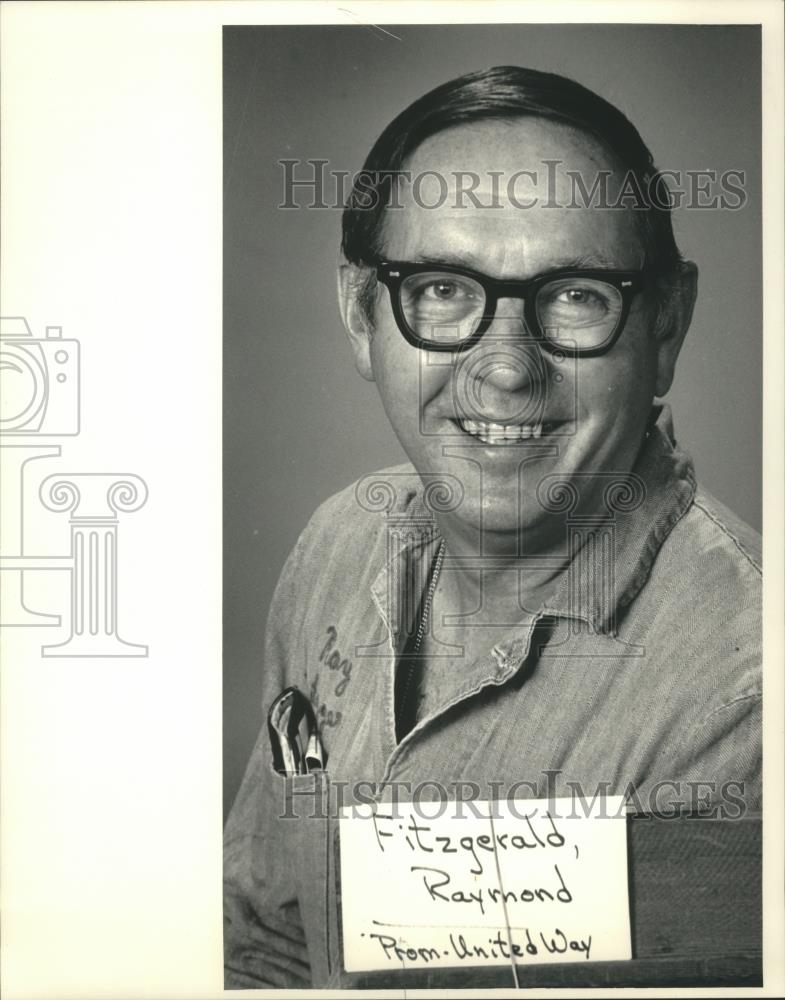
[537, 881]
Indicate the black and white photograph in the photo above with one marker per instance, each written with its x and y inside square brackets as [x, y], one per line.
[492, 503]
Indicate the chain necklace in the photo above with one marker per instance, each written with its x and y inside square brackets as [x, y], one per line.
[424, 615]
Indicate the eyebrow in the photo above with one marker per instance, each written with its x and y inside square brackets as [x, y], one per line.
[590, 260]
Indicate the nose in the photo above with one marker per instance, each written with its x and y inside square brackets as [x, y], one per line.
[504, 376]
[508, 357]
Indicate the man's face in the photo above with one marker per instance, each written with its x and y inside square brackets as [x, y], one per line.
[590, 412]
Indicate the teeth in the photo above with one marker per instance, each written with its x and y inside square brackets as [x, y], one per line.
[493, 433]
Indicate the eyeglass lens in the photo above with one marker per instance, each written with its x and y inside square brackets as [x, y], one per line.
[449, 307]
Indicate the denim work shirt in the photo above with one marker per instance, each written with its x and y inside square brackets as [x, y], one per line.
[644, 681]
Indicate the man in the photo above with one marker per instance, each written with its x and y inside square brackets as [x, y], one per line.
[544, 599]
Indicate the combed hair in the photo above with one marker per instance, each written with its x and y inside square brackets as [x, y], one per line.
[502, 92]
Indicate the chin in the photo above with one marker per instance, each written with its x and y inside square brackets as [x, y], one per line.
[504, 521]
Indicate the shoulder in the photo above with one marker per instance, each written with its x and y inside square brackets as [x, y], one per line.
[325, 592]
[359, 508]
[704, 608]
[340, 552]
[346, 535]
[717, 524]
[711, 547]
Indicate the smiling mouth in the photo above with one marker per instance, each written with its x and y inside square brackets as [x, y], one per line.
[500, 434]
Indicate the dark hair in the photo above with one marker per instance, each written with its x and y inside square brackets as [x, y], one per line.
[503, 92]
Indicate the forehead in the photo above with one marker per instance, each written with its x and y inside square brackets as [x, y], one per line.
[507, 197]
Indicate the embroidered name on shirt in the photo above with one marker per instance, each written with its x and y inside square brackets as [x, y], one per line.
[332, 657]
[324, 715]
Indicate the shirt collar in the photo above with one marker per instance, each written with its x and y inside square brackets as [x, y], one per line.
[615, 547]
[621, 542]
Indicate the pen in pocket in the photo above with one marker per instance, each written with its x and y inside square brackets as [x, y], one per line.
[285, 721]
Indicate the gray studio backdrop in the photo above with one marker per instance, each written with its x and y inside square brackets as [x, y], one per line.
[299, 423]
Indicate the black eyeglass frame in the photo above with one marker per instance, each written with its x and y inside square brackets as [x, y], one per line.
[393, 273]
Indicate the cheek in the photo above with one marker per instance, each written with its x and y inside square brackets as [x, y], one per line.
[405, 375]
[619, 386]
[639, 370]
[396, 372]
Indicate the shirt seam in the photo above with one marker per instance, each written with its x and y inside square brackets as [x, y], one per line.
[754, 696]
[658, 536]
[729, 534]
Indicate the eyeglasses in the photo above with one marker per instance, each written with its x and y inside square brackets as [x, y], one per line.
[439, 307]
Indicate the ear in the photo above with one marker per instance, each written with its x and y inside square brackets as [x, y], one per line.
[674, 321]
[351, 280]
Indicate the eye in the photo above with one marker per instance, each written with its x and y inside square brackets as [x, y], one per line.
[578, 296]
[443, 290]
[441, 294]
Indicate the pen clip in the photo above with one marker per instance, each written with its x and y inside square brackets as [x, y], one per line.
[314, 754]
